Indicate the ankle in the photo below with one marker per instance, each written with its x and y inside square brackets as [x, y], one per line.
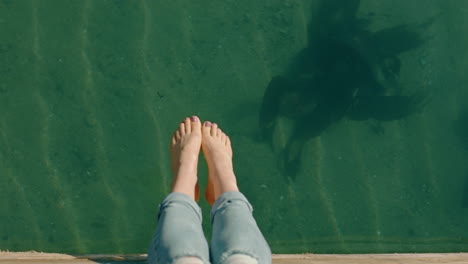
[227, 186]
[185, 191]
[223, 169]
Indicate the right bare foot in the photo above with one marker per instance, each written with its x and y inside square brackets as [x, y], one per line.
[185, 147]
[218, 154]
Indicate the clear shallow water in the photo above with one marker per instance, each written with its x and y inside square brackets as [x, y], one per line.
[348, 119]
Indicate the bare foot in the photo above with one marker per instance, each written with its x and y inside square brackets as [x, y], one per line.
[185, 148]
[218, 153]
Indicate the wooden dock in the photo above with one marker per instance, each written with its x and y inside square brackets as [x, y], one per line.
[41, 258]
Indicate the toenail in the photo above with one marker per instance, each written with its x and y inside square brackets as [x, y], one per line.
[207, 123]
[194, 119]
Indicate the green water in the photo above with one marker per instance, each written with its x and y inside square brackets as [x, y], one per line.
[349, 119]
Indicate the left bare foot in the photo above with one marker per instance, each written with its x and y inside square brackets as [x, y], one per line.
[218, 154]
[185, 148]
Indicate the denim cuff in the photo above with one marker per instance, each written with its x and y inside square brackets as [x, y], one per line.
[183, 199]
[227, 198]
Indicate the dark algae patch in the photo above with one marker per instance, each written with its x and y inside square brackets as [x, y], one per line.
[346, 71]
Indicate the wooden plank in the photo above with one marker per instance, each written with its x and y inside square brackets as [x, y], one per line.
[41, 258]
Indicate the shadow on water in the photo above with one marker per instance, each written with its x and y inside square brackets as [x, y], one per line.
[346, 71]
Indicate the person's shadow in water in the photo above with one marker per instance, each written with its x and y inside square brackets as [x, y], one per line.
[346, 71]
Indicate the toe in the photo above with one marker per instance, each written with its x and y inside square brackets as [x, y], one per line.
[187, 125]
[214, 129]
[228, 142]
[177, 135]
[219, 133]
[182, 129]
[173, 139]
[195, 124]
[206, 128]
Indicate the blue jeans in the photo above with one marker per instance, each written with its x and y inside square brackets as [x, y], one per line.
[179, 232]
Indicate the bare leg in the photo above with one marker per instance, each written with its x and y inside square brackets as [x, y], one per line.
[185, 148]
[236, 238]
[179, 237]
[218, 153]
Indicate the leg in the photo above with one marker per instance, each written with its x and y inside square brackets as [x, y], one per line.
[179, 237]
[236, 237]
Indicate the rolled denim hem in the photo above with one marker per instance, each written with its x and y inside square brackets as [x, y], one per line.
[225, 256]
[177, 258]
[235, 230]
[226, 198]
[195, 255]
[183, 199]
[179, 231]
